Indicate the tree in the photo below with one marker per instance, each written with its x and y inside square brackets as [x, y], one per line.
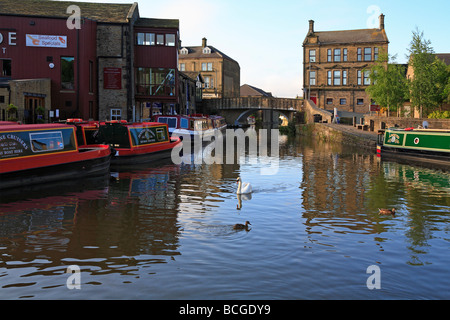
[427, 86]
[388, 86]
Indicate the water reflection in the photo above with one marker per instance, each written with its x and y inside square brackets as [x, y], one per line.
[166, 231]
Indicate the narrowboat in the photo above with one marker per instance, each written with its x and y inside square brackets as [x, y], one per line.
[218, 122]
[430, 145]
[187, 125]
[41, 153]
[135, 143]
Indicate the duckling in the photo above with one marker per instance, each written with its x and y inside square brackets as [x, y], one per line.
[386, 211]
[241, 226]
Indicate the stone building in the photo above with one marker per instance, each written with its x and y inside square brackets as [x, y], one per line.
[100, 61]
[221, 74]
[336, 66]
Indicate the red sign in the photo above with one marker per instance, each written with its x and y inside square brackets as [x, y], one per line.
[374, 107]
[112, 78]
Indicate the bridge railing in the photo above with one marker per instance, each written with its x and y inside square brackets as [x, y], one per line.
[255, 103]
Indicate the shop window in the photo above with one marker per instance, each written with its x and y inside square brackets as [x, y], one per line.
[67, 73]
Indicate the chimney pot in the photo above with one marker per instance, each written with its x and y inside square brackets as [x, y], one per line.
[204, 42]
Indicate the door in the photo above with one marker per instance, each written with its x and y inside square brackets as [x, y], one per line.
[32, 112]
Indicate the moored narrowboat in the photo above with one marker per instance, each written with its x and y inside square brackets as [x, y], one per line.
[135, 143]
[218, 122]
[41, 153]
[196, 125]
[431, 145]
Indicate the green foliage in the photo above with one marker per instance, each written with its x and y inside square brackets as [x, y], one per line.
[439, 115]
[388, 86]
[11, 111]
[429, 86]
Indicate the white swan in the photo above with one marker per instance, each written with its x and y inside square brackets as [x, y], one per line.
[243, 188]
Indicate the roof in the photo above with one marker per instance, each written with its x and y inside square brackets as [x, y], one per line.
[157, 23]
[444, 57]
[248, 90]
[351, 36]
[101, 12]
[197, 52]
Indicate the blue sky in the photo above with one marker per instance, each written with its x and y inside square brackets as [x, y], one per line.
[265, 36]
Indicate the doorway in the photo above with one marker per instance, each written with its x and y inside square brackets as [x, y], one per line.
[32, 110]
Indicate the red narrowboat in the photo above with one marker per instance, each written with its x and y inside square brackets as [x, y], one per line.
[135, 143]
[41, 153]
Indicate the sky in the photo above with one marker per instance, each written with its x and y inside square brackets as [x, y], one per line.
[265, 36]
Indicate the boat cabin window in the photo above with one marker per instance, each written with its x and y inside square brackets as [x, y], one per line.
[161, 134]
[184, 123]
[47, 141]
[172, 122]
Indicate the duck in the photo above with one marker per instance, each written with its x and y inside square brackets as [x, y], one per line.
[386, 211]
[243, 188]
[240, 226]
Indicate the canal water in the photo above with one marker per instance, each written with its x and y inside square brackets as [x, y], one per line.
[165, 231]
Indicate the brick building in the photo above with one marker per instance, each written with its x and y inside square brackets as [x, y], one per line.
[221, 74]
[113, 65]
[336, 66]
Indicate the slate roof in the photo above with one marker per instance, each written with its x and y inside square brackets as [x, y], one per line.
[350, 36]
[101, 12]
[197, 52]
[157, 23]
[444, 57]
[248, 90]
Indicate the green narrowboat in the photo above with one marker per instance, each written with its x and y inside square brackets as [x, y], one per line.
[430, 145]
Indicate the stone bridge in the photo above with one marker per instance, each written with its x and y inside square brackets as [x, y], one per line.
[236, 110]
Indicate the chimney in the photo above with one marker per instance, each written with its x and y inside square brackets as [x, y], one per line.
[203, 42]
[381, 21]
[311, 27]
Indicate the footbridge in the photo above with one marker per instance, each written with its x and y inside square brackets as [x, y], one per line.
[236, 110]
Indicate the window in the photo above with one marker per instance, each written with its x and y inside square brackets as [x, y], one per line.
[67, 73]
[345, 54]
[5, 68]
[367, 77]
[375, 54]
[116, 114]
[2, 99]
[312, 55]
[209, 82]
[206, 50]
[329, 100]
[337, 78]
[312, 78]
[367, 54]
[359, 78]
[155, 81]
[359, 54]
[182, 67]
[184, 51]
[159, 39]
[145, 39]
[170, 40]
[344, 77]
[359, 102]
[207, 66]
[329, 55]
[48, 141]
[329, 78]
[343, 101]
[337, 55]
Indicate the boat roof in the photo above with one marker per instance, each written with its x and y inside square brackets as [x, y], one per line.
[30, 127]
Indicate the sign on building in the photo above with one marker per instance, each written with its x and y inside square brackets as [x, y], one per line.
[48, 41]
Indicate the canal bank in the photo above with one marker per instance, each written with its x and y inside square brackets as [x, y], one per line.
[339, 133]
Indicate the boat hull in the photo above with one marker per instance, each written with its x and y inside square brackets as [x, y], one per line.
[128, 156]
[96, 162]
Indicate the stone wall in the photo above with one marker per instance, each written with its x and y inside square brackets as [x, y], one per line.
[405, 122]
